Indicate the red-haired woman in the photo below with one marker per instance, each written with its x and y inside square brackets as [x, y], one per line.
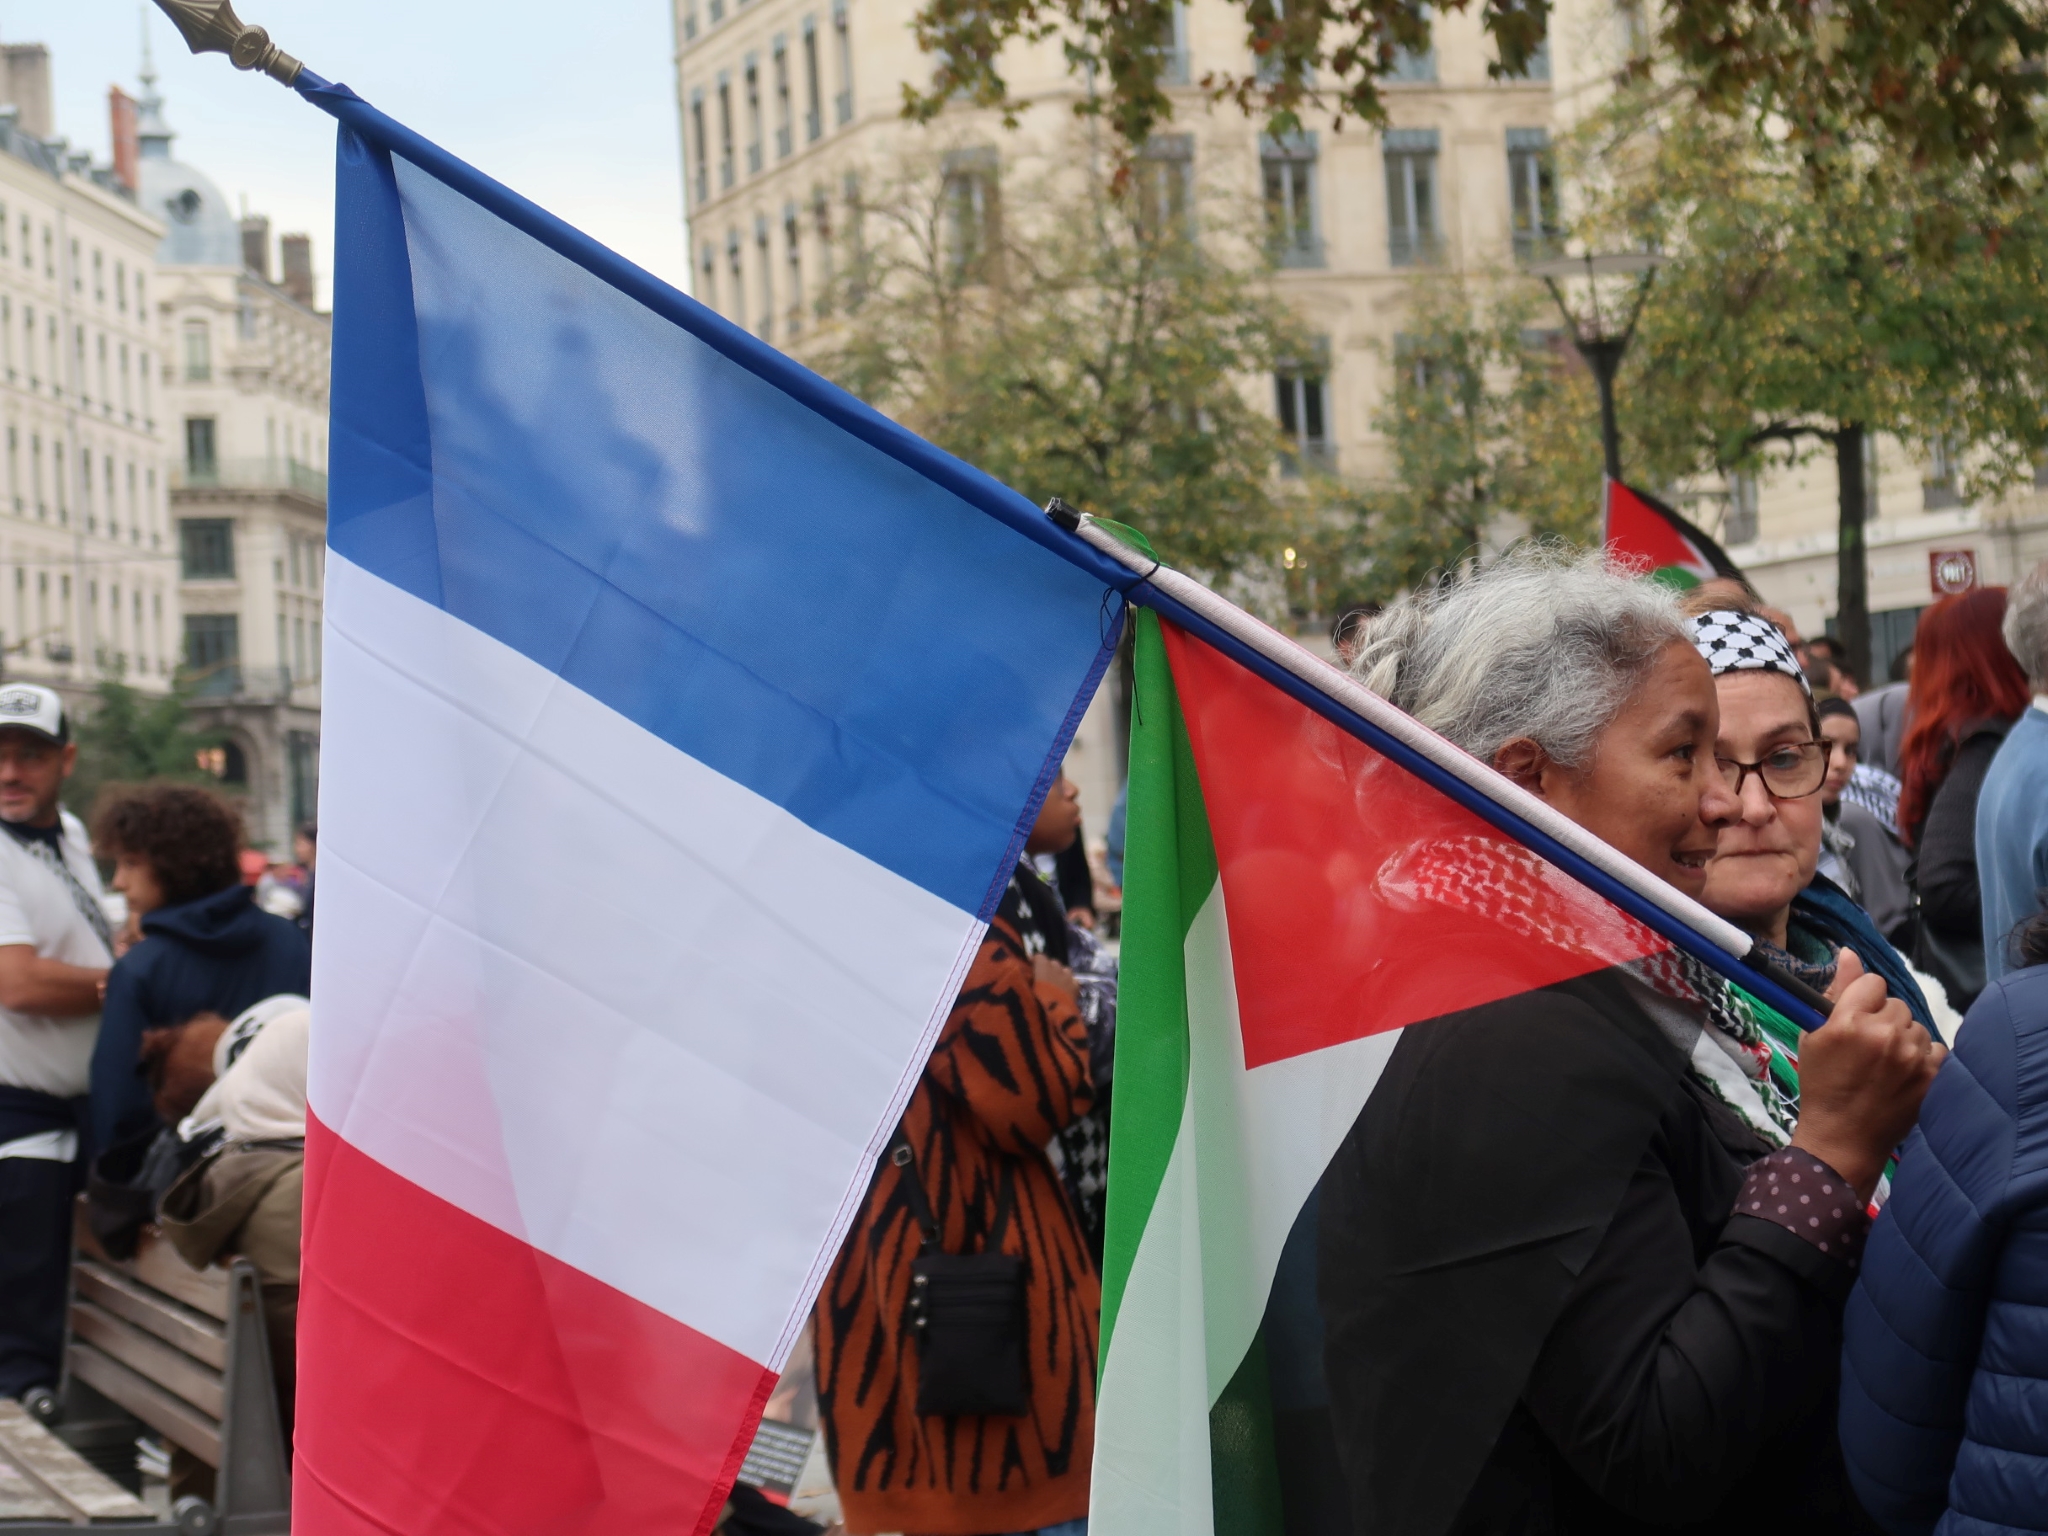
[1967, 690]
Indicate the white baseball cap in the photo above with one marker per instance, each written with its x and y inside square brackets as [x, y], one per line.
[34, 708]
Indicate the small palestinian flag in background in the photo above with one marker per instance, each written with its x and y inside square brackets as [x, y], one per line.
[1641, 529]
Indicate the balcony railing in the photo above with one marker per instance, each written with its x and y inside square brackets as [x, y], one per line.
[1315, 453]
[250, 475]
[1411, 248]
[232, 680]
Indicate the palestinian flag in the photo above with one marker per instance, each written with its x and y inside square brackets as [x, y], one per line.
[1293, 901]
[1640, 530]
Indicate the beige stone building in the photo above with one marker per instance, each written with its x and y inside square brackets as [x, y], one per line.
[244, 386]
[787, 105]
[87, 573]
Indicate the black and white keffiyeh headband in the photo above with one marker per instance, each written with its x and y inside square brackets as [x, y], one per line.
[1745, 642]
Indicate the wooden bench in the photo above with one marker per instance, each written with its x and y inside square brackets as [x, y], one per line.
[46, 1486]
[185, 1352]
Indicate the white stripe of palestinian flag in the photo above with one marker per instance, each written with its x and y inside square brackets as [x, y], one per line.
[1247, 1153]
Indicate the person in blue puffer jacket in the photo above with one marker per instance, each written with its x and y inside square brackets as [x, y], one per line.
[1944, 1408]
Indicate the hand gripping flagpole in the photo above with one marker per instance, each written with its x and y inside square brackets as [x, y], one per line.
[1346, 703]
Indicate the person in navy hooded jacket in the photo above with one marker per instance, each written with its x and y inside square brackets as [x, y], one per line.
[206, 946]
[1944, 1408]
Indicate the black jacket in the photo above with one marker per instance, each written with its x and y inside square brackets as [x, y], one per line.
[1542, 1316]
[219, 953]
[1946, 845]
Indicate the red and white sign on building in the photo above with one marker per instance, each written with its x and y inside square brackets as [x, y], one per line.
[1951, 570]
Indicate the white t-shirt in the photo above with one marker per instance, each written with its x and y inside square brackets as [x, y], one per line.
[39, 909]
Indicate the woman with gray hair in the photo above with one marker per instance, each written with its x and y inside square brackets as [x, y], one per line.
[1583, 1256]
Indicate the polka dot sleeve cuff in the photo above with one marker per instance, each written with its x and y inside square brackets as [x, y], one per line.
[1797, 1191]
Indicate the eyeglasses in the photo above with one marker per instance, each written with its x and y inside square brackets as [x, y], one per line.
[1789, 772]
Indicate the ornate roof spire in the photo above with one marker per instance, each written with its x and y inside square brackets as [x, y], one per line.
[151, 130]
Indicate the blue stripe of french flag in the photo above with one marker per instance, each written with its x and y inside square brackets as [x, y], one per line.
[683, 719]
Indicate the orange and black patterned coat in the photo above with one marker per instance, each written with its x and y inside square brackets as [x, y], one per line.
[1010, 1068]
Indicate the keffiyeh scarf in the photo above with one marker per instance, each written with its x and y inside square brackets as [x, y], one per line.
[1745, 642]
[1526, 895]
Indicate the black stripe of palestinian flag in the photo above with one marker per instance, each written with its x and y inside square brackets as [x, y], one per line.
[1292, 901]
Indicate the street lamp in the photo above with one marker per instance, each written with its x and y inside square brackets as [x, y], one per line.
[1599, 344]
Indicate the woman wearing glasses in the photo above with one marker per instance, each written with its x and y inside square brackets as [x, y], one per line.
[1773, 756]
[1568, 1283]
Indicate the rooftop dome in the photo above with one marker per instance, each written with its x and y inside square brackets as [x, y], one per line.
[200, 229]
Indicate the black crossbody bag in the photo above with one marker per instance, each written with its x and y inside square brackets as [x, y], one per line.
[967, 1310]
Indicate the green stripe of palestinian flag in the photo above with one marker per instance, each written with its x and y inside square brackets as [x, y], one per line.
[1284, 898]
[1184, 1437]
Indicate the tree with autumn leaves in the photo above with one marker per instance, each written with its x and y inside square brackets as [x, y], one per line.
[1808, 302]
[1491, 430]
[1073, 338]
[1954, 85]
[1815, 297]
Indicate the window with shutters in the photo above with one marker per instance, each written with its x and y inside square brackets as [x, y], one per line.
[1301, 404]
[1532, 195]
[842, 36]
[753, 82]
[785, 127]
[725, 148]
[1411, 169]
[1288, 168]
[972, 214]
[206, 547]
[814, 88]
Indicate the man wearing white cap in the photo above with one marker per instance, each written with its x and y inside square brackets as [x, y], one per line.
[55, 948]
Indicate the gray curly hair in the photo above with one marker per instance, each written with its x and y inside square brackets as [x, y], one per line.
[1545, 642]
[2026, 624]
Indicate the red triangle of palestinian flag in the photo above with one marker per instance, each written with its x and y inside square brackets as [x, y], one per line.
[1640, 530]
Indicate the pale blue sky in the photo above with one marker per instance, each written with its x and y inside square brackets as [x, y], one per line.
[572, 104]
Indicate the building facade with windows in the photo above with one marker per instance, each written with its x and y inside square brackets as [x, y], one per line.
[786, 105]
[87, 586]
[245, 356]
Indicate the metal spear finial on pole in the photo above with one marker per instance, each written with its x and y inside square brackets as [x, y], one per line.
[211, 26]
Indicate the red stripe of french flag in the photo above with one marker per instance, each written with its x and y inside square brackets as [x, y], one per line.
[552, 1401]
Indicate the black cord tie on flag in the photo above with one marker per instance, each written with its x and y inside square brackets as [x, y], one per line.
[1817, 1001]
[1065, 517]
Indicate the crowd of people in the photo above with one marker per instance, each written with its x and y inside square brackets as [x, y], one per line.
[1659, 1259]
[1636, 1208]
[152, 1045]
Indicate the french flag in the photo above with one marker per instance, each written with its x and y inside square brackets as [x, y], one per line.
[684, 719]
